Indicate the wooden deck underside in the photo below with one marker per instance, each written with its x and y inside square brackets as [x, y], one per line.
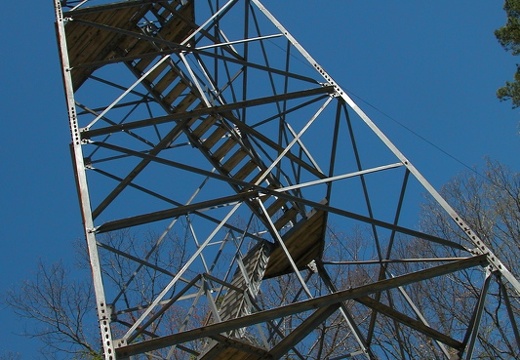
[229, 348]
[305, 242]
[110, 33]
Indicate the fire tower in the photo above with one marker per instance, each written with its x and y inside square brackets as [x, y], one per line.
[237, 204]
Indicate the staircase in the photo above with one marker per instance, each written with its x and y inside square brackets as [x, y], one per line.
[141, 45]
[228, 151]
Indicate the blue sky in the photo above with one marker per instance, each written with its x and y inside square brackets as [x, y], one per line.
[425, 71]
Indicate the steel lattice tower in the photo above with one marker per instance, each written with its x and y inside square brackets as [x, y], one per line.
[237, 204]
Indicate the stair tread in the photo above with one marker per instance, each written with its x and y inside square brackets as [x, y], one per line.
[287, 216]
[212, 139]
[175, 92]
[204, 126]
[224, 148]
[245, 170]
[167, 79]
[234, 160]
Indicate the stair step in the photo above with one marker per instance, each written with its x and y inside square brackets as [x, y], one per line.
[304, 241]
[233, 348]
[157, 71]
[167, 12]
[214, 137]
[186, 102]
[139, 47]
[275, 206]
[234, 160]
[165, 81]
[162, 11]
[175, 92]
[143, 64]
[176, 28]
[289, 215]
[204, 126]
[255, 263]
[224, 148]
[245, 170]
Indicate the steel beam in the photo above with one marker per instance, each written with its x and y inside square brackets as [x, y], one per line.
[298, 307]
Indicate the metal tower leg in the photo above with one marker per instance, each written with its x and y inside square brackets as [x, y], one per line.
[237, 203]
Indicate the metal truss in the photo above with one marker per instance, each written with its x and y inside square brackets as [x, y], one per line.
[237, 204]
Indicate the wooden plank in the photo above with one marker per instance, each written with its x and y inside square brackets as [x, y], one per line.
[143, 63]
[156, 72]
[288, 215]
[224, 149]
[226, 348]
[175, 30]
[186, 102]
[166, 80]
[245, 170]
[89, 44]
[161, 12]
[275, 206]
[304, 242]
[175, 92]
[234, 302]
[234, 160]
[211, 140]
[80, 36]
[204, 126]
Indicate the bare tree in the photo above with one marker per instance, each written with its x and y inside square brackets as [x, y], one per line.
[10, 356]
[58, 307]
[59, 303]
[490, 203]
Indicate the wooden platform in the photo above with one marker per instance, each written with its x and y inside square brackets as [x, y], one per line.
[305, 242]
[99, 35]
[232, 349]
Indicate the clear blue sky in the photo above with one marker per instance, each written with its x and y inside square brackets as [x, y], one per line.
[431, 67]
